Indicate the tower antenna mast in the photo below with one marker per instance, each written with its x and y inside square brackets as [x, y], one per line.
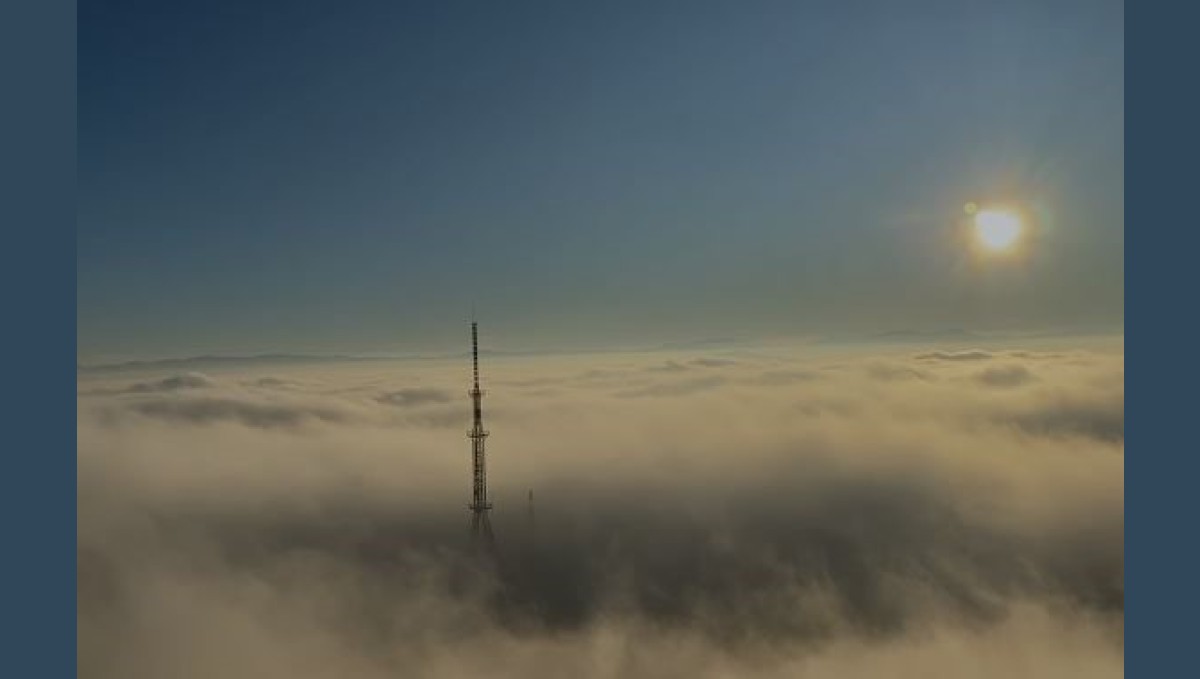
[481, 523]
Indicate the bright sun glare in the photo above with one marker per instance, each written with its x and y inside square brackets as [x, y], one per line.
[997, 229]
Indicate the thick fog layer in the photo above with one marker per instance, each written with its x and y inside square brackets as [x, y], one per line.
[907, 513]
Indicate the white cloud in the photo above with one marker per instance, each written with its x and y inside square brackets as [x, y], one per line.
[772, 518]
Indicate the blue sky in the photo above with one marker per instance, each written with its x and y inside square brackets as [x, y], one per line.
[353, 176]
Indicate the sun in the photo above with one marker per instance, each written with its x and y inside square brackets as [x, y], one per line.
[998, 230]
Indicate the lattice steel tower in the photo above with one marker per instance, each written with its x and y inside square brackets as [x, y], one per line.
[481, 523]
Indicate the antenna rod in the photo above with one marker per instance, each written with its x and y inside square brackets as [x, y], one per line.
[475, 352]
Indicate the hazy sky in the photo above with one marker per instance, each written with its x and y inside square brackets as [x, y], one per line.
[352, 176]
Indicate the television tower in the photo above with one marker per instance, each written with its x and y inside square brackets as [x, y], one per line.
[481, 523]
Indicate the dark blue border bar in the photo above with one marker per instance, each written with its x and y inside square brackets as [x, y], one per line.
[1162, 256]
[37, 326]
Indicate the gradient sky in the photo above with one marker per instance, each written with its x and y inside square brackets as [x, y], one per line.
[352, 176]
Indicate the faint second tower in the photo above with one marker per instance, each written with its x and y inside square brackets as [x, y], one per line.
[481, 522]
[532, 525]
